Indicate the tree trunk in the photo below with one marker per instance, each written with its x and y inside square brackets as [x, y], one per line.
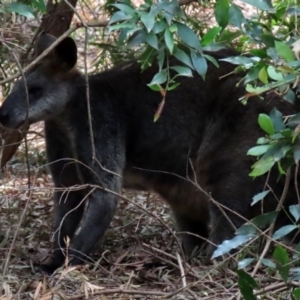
[58, 18]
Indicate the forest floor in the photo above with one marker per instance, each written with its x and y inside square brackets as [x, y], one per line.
[138, 258]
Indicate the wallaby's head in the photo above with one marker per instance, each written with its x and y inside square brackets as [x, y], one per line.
[45, 90]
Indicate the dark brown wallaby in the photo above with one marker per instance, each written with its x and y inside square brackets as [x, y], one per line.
[201, 138]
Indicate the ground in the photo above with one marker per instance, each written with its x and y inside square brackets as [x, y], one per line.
[138, 258]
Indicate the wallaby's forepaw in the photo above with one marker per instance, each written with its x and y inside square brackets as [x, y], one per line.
[47, 269]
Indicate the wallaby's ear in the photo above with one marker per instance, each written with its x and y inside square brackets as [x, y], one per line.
[44, 41]
[63, 56]
[66, 53]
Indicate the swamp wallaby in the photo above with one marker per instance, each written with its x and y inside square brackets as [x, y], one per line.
[200, 140]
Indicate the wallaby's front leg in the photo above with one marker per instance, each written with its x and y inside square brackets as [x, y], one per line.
[68, 210]
[68, 197]
[104, 177]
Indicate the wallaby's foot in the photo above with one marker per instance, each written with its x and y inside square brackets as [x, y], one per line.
[48, 268]
[50, 263]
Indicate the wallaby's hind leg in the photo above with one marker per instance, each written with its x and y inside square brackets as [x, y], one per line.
[234, 196]
[190, 209]
[194, 233]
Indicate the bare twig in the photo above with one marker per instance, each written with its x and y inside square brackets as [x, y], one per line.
[183, 278]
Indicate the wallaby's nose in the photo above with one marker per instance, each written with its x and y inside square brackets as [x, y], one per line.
[4, 116]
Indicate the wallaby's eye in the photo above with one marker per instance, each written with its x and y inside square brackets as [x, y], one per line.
[34, 90]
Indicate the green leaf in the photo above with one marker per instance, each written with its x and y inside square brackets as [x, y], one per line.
[263, 75]
[296, 151]
[284, 51]
[173, 86]
[239, 60]
[236, 17]
[173, 28]
[252, 74]
[277, 119]
[244, 263]
[159, 26]
[268, 263]
[259, 197]
[266, 123]
[169, 40]
[268, 40]
[258, 150]
[172, 8]
[210, 35]
[261, 4]
[159, 78]
[283, 231]
[295, 211]
[280, 255]
[277, 151]
[199, 63]
[290, 96]
[247, 229]
[126, 9]
[211, 59]
[262, 53]
[246, 285]
[183, 71]
[118, 16]
[222, 12]
[295, 273]
[265, 220]
[257, 90]
[282, 259]
[161, 58]
[39, 4]
[126, 28]
[138, 38]
[272, 72]
[296, 293]
[168, 18]
[262, 141]
[183, 57]
[188, 36]
[228, 245]
[148, 20]
[262, 166]
[21, 9]
[151, 40]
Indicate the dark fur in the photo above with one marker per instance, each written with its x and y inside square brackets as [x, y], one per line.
[202, 125]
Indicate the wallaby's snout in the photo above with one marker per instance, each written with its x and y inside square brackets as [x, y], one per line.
[7, 118]
[4, 116]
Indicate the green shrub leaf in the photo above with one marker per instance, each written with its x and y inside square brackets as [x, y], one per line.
[260, 196]
[284, 51]
[295, 211]
[222, 12]
[283, 231]
[266, 123]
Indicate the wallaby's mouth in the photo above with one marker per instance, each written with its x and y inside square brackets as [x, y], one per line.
[6, 120]
[22, 129]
